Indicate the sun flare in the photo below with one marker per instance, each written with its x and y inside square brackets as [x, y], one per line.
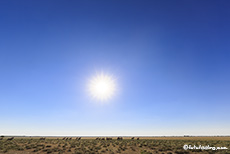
[102, 87]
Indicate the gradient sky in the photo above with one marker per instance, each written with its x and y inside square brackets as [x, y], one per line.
[171, 61]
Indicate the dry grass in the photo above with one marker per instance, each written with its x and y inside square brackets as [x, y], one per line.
[88, 145]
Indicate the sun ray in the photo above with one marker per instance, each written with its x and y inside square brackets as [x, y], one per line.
[102, 87]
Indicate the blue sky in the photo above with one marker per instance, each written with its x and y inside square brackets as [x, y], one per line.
[170, 60]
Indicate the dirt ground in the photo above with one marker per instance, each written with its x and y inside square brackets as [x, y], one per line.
[91, 145]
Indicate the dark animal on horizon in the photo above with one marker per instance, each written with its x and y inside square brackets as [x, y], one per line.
[103, 138]
[78, 138]
[42, 138]
[119, 138]
[132, 138]
[9, 139]
[138, 138]
[63, 138]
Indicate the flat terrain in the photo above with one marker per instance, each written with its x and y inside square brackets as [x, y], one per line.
[91, 145]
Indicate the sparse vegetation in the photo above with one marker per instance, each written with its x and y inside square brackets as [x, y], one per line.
[107, 145]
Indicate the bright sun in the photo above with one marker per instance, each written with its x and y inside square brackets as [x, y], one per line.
[102, 87]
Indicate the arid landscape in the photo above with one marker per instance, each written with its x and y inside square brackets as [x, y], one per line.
[111, 145]
[114, 76]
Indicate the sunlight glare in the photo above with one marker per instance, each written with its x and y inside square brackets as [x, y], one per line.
[102, 87]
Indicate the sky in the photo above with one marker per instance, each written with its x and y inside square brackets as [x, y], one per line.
[170, 60]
